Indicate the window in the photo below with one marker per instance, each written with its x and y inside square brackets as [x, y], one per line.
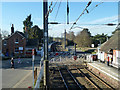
[16, 50]
[5, 42]
[16, 40]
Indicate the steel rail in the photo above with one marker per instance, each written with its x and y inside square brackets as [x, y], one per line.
[96, 86]
[63, 80]
[89, 80]
[74, 79]
[100, 79]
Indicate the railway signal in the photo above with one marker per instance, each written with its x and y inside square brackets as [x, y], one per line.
[56, 54]
[75, 57]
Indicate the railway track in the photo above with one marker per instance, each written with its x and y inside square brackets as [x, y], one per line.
[82, 79]
[90, 79]
[75, 76]
[55, 79]
[95, 80]
[69, 80]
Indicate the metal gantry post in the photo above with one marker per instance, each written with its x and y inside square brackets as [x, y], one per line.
[33, 58]
[67, 12]
[46, 62]
[65, 39]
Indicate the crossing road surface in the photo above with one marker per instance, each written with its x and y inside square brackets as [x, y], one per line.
[21, 76]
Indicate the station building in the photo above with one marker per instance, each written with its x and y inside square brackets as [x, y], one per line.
[110, 50]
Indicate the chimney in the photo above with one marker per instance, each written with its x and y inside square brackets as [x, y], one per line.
[12, 29]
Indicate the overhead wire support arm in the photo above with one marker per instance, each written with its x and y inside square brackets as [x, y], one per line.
[50, 9]
[46, 16]
[96, 6]
[81, 13]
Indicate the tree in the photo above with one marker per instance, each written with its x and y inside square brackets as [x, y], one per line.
[5, 34]
[27, 25]
[36, 33]
[99, 38]
[83, 38]
[70, 36]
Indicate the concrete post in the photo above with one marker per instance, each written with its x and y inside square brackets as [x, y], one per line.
[46, 78]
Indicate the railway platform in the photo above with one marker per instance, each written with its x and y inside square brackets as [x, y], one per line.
[110, 74]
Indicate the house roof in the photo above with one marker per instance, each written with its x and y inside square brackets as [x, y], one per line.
[21, 33]
[112, 43]
[18, 32]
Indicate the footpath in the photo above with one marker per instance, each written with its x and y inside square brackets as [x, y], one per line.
[22, 76]
[27, 81]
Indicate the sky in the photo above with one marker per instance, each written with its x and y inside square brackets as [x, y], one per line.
[16, 12]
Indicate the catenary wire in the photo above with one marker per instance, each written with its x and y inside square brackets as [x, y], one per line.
[81, 14]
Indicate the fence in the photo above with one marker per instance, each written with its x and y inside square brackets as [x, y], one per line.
[37, 85]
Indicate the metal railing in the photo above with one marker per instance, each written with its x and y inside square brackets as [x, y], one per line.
[37, 85]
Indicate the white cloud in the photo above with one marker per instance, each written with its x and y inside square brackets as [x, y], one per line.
[94, 29]
[105, 20]
[56, 30]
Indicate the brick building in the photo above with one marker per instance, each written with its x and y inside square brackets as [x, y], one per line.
[14, 44]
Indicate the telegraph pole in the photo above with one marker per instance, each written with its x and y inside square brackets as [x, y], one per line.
[46, 62]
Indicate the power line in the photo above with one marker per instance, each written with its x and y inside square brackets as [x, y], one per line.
[96, 6]
[50, 9]
[86, 11]
[57, 10]
[81, 13]
[57, 13]
[53, 6]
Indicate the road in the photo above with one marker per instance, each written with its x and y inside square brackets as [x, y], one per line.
[21, 76]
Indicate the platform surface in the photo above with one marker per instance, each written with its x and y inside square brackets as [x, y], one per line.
[110, 71]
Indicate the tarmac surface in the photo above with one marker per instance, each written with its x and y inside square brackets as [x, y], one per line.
[21, 76]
